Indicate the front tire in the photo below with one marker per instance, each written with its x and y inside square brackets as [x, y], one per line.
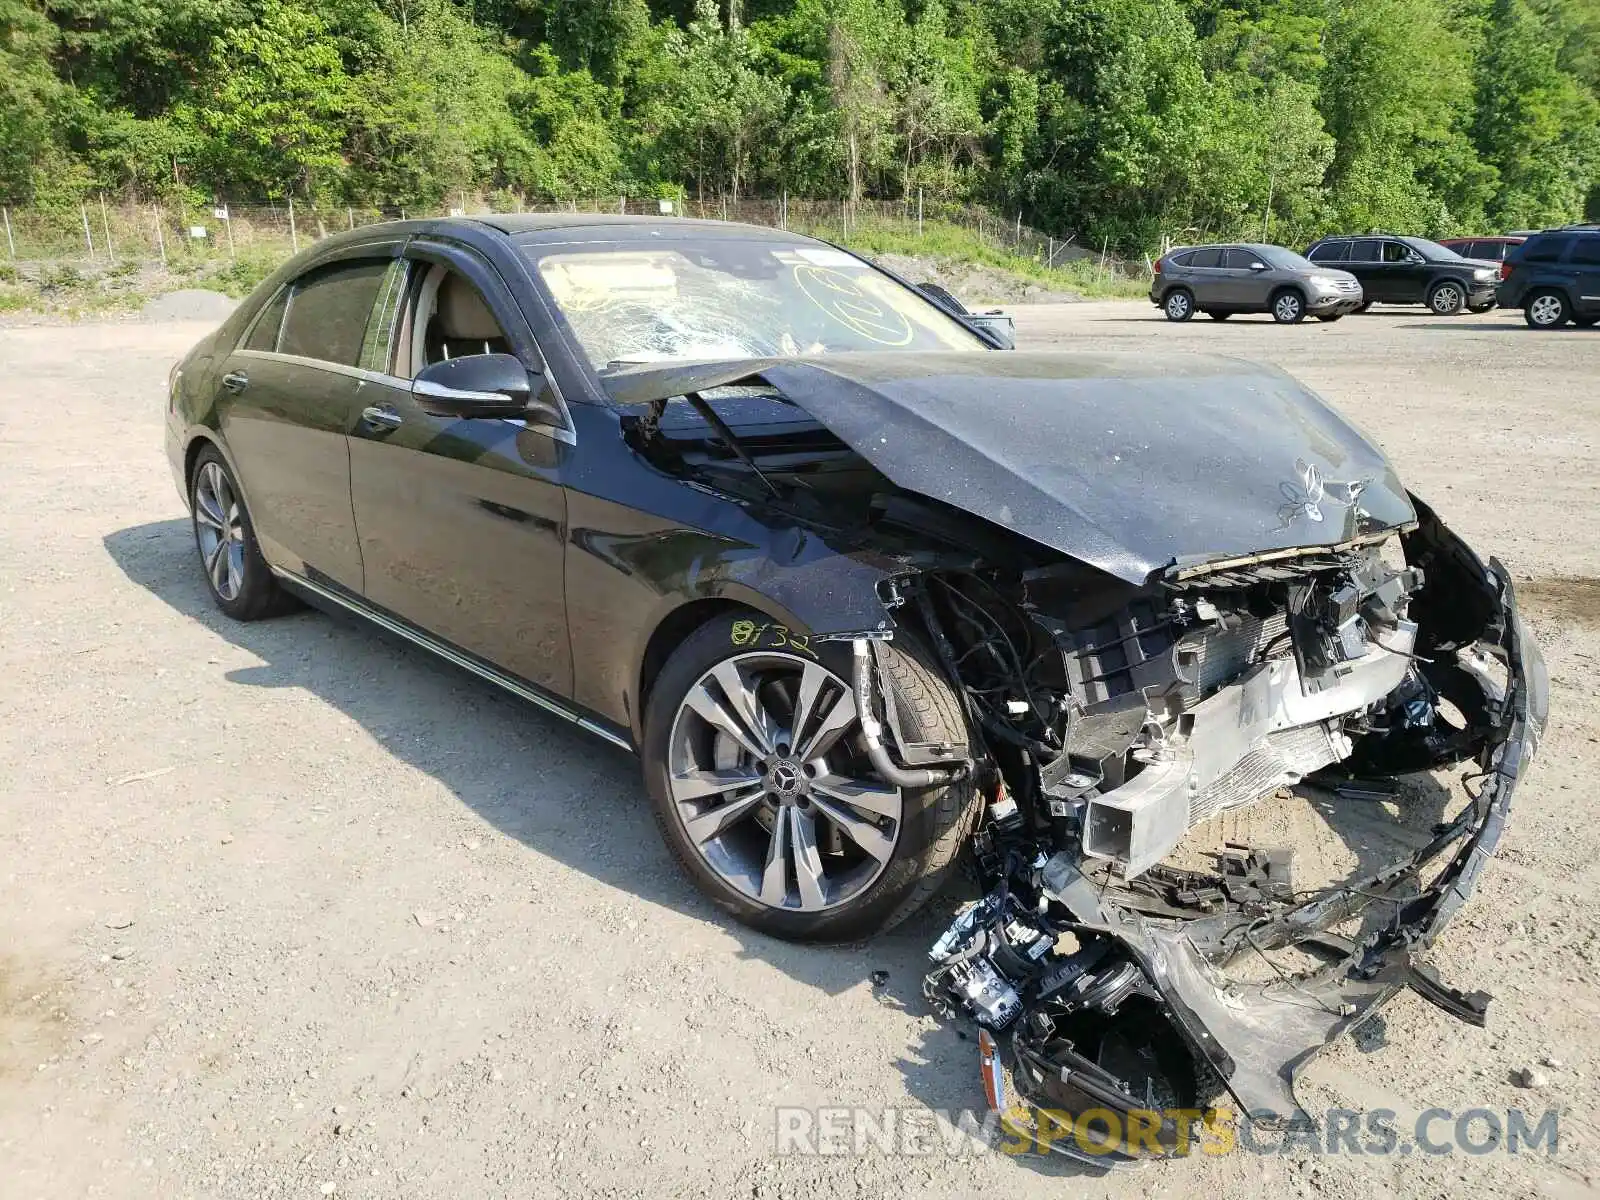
[1546, 310]
[1447, 298]
[1179, 304]
[1288, 307]
[755, 765]
[238, 578]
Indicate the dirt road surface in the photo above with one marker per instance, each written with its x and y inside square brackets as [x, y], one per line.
[289, 910]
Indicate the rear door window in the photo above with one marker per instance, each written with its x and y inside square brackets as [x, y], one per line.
[328, 311]
[1366, 250]
[1330, 252]
[1241, 260]
[1205, 258]
[1546, 249]
[1394, 252]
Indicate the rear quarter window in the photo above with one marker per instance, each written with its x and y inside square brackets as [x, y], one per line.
[1545, 249]
[264, 332]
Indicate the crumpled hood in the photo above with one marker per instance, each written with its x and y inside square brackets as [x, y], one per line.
[1131, 463]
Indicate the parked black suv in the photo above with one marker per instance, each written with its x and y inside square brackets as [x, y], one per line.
[1554, 277]
[1410, 270]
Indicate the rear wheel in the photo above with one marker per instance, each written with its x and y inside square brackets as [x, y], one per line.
[238, 577]
[1447, 298]
[1546, 310]
[756, 767]
[1288, 307]
[1179, 305]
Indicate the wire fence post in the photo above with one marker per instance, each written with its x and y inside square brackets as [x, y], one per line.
[294, 237]
[227, 223]
[919, 212]
[105, 222]
[350, 218]
[88, 241]
[161, 238]
[10, 242]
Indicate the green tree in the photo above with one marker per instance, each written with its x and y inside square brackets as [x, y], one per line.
[1537, 125]
[273, 115]
[1397, 97]
[29, 95]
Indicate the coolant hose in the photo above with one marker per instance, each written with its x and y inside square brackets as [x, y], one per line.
[872, 729]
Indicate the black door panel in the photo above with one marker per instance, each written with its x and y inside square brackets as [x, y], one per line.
[462, 521]
[286, 429]
[462, 525]
[288, 401]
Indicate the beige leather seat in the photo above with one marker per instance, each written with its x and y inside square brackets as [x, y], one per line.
[462, 323]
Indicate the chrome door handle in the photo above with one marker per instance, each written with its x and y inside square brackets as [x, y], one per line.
[380, 417]
[236, 381]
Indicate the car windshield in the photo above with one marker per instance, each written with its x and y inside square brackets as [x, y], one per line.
[1431, 251]
[710, 298]
[1287, 260]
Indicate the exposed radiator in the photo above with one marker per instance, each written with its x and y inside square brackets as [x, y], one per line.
[1221, 656]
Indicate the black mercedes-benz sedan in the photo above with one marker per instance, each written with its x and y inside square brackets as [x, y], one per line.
[867, 593]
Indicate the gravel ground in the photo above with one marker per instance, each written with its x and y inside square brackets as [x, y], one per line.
[289, 910]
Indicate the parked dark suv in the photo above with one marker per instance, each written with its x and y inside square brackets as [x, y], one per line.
[1410, 270]
[1554, 277]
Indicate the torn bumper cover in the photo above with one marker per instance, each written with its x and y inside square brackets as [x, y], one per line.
[1098, 1028]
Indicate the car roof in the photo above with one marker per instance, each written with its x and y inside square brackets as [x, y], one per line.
[1226, 246]
[527, 227]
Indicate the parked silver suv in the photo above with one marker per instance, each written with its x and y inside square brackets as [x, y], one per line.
[1222, 280]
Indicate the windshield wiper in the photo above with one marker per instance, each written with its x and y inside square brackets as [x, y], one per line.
[698, 403]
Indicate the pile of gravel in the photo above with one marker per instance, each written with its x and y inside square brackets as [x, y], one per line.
[189, 304]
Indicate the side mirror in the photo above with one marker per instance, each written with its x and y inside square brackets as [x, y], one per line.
[1258, 265]
[475, 385]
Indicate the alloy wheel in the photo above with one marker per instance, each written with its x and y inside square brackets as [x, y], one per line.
[219, 529]
[1546, 310]
[771, 786]
[1447, 299]
[1178, 306]
[1287, 308]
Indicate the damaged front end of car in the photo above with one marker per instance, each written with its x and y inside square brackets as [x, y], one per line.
[1130, 680]
[1114, 978]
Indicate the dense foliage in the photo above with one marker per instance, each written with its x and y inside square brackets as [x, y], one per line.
[1125, 120]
